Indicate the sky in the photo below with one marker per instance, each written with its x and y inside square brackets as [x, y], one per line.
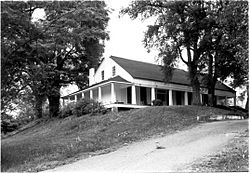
[126, 35]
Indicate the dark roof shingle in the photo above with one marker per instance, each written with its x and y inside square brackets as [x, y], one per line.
[147, 71]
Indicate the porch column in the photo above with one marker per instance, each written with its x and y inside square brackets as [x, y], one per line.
[63, 102]
[225, 100]
[83, 95]
[152, 95]
[133, 90]
[69, 100]
[113, 96]
[99, 94]
[91, 94]
[170, 97]
[186, 98]
[76, 98]
[201, 98]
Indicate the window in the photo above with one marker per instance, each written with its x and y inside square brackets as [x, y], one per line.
[102, 75]
[113, 70]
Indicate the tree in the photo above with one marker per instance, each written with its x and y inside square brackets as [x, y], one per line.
[17, 32]
[227, 45]
[200, 28]
[71, 44]
[53, 52]
[177, 27]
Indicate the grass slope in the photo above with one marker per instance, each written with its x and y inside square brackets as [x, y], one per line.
[60, 141]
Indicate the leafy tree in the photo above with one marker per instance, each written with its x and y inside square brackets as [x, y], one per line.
[177, 27]
[53, 52]
[197, 30]
[17, 32]
[71, 44]
[227, 45]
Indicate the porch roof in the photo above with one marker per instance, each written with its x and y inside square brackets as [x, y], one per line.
[118, 79]
[147, 71]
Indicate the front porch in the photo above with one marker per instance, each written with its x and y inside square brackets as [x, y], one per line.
[117, 94]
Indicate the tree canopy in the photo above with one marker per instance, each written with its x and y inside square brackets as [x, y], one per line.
[17, 32]
[67, 42]
[210, 37]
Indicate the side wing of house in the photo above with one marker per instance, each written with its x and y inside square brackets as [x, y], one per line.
[108, 84]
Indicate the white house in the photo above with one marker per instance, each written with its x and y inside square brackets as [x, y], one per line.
[123, 83]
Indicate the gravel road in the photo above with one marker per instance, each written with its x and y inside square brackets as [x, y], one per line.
[176, 150]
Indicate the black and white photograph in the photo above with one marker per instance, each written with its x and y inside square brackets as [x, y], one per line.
[125, 86]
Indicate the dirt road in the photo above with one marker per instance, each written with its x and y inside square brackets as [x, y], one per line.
[177, 150]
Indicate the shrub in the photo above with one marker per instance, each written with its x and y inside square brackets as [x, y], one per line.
[157, 102]
[67, 110]
[9, 126]
[86, 106]
[82, 107]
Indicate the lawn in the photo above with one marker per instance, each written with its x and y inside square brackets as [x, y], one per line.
[59, 141]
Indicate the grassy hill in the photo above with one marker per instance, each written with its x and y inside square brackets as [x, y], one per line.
[59, 141]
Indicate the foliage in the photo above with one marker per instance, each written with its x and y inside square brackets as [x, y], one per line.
[86, 106]
[8, 124]
[67, 110]
[227, 45]
[157, 102]
[16, 34]
[71, 45]
[54, 51]
[208, 36]
[82, 107]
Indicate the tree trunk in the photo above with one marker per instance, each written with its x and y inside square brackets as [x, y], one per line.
[39, 107]
[54, 105]
[211, 92]
[54, 102]
[212, 79]
[209, 83]
[195, 83]
[196, 100]
[211, 96]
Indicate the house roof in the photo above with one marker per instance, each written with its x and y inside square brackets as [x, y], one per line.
[114, 79]
[147, 71]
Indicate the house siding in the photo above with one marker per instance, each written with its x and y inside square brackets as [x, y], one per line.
[107, 66]
[106, 97]
[179, 97]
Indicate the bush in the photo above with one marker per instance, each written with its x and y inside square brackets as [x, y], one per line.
[67, 110]
[82, 107]
[157, 102]
[86, 106]
[9, 126]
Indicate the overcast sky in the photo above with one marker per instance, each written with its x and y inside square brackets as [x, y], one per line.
[126, 35]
